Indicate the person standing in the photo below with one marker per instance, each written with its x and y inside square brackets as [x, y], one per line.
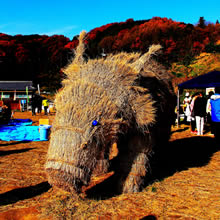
[200, 113]
[39, 104]
[46, 105]
[215, 113]
[193, 121]
[187, 100]
[33, 104]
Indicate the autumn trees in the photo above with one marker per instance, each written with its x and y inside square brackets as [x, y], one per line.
[179, 40]
[34, 57]
[41, 58]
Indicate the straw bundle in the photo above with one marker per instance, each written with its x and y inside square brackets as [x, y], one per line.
[105, 116]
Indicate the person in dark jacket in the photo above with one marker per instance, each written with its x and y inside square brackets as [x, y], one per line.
[34, 104]
[39, 104]
[200, 113]
[215, 113]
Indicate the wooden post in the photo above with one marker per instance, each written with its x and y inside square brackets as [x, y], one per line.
[38, 87]
[27, 96]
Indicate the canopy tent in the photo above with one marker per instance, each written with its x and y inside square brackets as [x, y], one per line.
[208, 80]
[211, 79]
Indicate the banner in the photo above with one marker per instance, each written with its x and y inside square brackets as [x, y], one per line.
[14, 95]
[27, 94]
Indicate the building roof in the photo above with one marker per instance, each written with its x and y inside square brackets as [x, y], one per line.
[211, 79]
[16, 85]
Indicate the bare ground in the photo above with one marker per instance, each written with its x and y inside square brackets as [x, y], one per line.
[184, 184]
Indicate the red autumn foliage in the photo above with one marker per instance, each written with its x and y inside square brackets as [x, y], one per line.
[197, 47]
[170, 46]
[40, 58]
[2, 53]
[21, 54]
[71, 45]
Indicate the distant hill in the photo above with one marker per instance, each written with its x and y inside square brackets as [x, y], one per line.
[40, 58]
[201, 64]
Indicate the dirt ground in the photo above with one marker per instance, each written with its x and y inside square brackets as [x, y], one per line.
[185, 184]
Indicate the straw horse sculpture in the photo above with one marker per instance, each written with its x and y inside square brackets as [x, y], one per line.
[112, 113]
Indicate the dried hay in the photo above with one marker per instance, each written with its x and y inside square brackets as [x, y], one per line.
[190, 194]
[109, 91]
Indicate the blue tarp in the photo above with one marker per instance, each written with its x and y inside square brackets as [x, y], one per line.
[19, 133]
[19, 122]
[18, 130]
[211, 79]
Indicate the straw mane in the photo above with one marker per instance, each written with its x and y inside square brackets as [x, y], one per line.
[107, 91]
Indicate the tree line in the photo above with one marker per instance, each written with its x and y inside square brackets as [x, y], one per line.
[41, 58]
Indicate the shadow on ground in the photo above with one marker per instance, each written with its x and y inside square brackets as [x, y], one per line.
[179, 130]
[8, 152]
[13, 143]
[182, 154]
[177, 156]
[16, 195]
[149, 217]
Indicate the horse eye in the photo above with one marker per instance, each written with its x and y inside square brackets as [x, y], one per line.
[94, 123]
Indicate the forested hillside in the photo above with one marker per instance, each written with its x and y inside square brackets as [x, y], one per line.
[40, 58]
[33, 57]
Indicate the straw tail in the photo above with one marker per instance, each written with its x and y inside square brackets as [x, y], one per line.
[153, 50]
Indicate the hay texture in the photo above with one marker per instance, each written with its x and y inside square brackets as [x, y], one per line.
[130, 97]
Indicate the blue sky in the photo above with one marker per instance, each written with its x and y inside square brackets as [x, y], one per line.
[70, 17]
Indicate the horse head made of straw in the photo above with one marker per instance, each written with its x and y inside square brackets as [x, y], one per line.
[106, 115]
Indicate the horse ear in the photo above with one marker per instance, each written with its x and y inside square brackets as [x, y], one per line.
[153, 50]
[78, 59]
[72, 69]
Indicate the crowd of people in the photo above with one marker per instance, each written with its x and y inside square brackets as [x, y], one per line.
[200, 110]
